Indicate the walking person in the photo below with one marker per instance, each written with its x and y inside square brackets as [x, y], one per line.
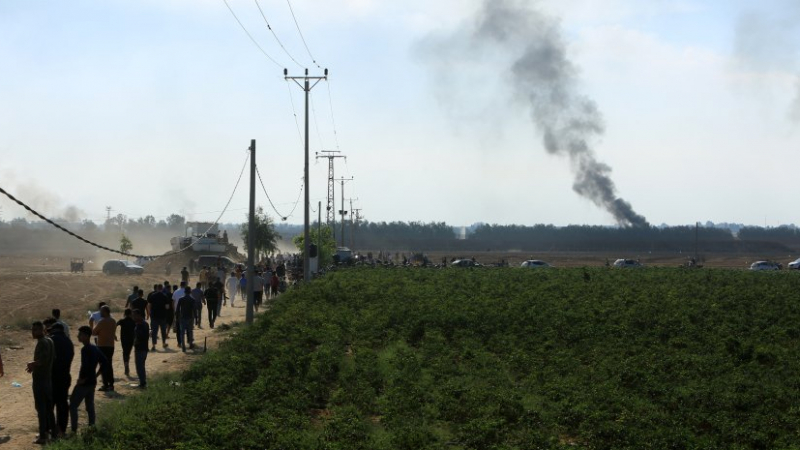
[41, 369]
[199, 301]
[62, 365]
[232, 283]
[132, 297]
[87, 378]
[141, 337]
[139, 303]
[258, 290]
[273, 285]
[177, 294]
[160, 306]
[106, 332]
[184, 275]
[217, 284]
[243, 287]
[126, 326]
[185, 313]
[212, 303]
[170, 307]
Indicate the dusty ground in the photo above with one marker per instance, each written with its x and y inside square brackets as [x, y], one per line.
[29, 289]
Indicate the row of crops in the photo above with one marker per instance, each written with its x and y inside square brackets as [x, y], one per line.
[478, 359]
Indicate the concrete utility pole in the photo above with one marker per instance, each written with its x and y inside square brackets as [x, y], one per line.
[351, 224]
[342, 211]
[357, 214]
[306, 87]
[331, 155]
[251, 235]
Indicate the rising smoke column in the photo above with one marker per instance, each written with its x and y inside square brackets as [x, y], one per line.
[546, 79]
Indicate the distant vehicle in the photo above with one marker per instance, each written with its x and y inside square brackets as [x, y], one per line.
[535, 264]
[121, 267]
[627, 263]
[766, 265]
[76, 265]
[343, 255]
[212, 261]
[465, 263]
[795, 264]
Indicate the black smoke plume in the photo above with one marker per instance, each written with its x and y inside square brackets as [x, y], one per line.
[546, 80]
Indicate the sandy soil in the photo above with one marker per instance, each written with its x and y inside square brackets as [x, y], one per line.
[29, 289]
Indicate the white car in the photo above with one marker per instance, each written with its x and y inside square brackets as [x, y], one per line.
[765, 265]
[795, 264]
[535, 264]
[627, 263]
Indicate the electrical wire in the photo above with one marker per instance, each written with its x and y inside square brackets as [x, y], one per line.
[294, 112]
[316, 122]
[276, 36]
[283, 218]
[103, 247]
[250, 36]
[301, 35]
[333, 121]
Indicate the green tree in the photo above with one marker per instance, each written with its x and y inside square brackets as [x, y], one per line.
[326, 248]
[266, 236]
[125, 244]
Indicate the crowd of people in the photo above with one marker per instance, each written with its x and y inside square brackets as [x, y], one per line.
[167, 309]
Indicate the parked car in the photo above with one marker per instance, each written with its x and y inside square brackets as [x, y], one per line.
[766, 265]
[627, 263]
[535, 264]
[121, 267]
[795, 264]
[465, 263]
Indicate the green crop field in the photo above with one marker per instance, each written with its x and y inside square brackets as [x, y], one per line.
[492, 359]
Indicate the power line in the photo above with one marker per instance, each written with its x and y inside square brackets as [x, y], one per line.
[250, 36]
[294, 112]
[283, 218]
[276, 36]
[330, 102]
[301, 35]
[103, 247]
[316, 122]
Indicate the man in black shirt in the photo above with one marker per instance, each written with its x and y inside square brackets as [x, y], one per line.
[160, 309]
[212, 302]
[126, 326]
[140, 303]
[141, 337]
[87, 378]
[64, 353]
[185, 313]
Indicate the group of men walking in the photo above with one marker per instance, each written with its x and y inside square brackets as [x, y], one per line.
[168, 308]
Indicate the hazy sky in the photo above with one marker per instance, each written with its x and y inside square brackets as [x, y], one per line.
[149, 106]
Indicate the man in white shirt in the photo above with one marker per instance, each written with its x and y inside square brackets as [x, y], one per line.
[232, 286]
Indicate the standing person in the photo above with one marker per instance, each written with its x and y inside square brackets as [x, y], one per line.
[184, 274]
[41, 369]
[168, 269]
[106, 332]
[217, 284]
[62, 365]
[126, 326]
[140, 303]
[243, 287]
[199, 300]
[203, 277]
[177, 294]
[160, 306]
[87, 378]
[170, 317]
[258, 290]
[212, 302]
[141, 336]
[232, 283]
[96, 316]
[273, 285]
[132, 297]
[220, 272]
[57, 315]
[185, 312]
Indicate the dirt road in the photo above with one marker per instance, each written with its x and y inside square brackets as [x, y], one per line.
[31, 288]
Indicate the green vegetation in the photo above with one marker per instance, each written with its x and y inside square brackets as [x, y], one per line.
[326, 247]
[125, 244]
[266, 236]
[493, 358]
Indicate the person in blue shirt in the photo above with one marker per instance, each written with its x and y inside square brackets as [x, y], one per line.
[83, 391]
